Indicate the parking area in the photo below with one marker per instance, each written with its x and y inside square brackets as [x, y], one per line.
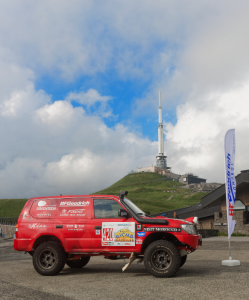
[202, 277]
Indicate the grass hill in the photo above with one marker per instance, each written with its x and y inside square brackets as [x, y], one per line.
[153, 192]
[149, 191]
[11, 208]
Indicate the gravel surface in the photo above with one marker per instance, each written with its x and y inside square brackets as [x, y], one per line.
[202, 277]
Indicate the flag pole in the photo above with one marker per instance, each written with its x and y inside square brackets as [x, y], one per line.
[230, 186]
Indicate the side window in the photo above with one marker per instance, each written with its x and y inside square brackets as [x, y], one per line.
[74, 208]
[44, 208]
[239, 205]
[106, 209]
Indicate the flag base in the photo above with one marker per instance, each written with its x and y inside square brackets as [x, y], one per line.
[230, 262]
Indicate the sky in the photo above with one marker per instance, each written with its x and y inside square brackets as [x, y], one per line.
[79, 86]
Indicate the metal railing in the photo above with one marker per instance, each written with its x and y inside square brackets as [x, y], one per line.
[8, 221]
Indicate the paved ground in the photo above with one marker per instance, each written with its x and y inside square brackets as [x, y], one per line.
[202, 277]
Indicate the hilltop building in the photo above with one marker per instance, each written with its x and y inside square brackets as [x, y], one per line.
[191, 178]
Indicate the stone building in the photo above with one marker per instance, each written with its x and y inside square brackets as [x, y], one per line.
[212, 211]
[164, 172]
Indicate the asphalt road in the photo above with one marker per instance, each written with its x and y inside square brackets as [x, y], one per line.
[202, 277]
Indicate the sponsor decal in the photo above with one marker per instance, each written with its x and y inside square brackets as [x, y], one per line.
[139, 227]
[166, 229]
[64, 211]
[107, 234]
[118, 233]
[46, 208]
[75, 227]
[71, 203]
[124, 224]
[75, 211]
[107, 243]
[43, 215]
[142, 233]
[37, 226]
[124, 235]
[42, 203]
[97, 231]
[139, 241]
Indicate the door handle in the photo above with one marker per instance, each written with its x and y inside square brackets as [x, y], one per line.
[98, 227]
[59, 226]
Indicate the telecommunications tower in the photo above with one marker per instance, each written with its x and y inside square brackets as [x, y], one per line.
[161, 161]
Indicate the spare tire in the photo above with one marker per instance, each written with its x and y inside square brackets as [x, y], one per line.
[78, 263]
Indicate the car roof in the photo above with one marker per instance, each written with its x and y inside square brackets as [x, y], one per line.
[76, 196]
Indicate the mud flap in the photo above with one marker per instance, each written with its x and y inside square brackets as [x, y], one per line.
[131, 258]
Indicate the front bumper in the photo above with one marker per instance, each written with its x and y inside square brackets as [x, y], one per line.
[193, 241]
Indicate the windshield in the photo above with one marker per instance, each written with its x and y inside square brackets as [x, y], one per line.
[136, 209]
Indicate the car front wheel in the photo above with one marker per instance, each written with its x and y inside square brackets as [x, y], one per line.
[162, 259]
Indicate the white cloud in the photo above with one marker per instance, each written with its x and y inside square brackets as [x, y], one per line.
[196, 142]
[52, 148]
[195, 53]
[88, 98]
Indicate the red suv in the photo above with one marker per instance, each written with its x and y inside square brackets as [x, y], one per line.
[71, 229]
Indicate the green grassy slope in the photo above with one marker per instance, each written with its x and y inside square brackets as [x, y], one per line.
[11, 208]
[151, 192]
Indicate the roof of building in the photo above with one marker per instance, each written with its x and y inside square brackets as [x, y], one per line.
[215, 195]
[208, 204]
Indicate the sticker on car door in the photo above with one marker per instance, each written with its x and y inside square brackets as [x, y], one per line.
[118, 234]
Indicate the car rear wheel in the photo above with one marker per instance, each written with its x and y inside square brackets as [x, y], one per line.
[78, 263]
[183, 260]
[162, 259]
[49, 259]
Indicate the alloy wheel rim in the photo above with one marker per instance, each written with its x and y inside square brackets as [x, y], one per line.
[161, 259]
[47, 259]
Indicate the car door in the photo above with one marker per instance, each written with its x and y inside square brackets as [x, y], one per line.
[111, 233]
[73, 223]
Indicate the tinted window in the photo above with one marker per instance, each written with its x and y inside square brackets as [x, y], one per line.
[106, 209]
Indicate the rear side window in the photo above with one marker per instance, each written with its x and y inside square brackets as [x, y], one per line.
[74, 208]
[44, 208]
[104, 209]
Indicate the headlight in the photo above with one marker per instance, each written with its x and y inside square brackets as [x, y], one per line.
[190, 229]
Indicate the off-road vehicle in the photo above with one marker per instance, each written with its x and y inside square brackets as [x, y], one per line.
[70, 229]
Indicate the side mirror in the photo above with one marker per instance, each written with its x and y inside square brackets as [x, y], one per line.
[123, 213]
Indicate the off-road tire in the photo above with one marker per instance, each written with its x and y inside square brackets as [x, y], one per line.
[183, 260]
[162, 259]
[49, 259]
[79, 263]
